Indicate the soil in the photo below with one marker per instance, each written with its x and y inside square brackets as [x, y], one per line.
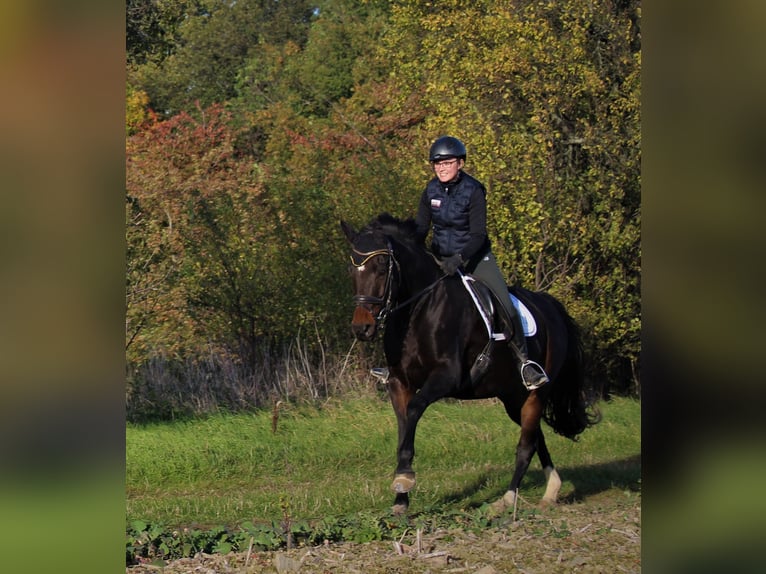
[601, 533]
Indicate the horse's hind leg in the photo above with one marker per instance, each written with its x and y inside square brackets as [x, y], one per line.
[552, 479]
[530, 437]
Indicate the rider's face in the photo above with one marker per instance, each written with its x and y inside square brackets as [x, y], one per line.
[447, 169]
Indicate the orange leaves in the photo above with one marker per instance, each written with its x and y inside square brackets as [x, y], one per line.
[187, 189]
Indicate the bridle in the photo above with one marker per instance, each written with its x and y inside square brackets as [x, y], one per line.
[386, 301]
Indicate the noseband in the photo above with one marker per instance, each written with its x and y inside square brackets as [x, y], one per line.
[385, 301]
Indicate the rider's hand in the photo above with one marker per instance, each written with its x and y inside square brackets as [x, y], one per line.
[450, 264]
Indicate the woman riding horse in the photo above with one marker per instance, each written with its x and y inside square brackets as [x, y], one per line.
[432, 336]
[454, 204]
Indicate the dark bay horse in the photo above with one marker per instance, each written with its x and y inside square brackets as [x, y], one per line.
[432, 335]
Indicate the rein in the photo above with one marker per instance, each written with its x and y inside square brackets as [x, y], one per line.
[417, 295]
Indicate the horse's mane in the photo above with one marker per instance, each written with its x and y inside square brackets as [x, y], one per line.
[404, 230]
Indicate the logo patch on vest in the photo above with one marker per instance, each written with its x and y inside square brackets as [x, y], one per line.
[436, 203]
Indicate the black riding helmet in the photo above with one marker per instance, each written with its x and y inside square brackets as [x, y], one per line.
[446, 147]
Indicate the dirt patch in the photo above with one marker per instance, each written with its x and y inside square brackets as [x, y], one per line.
[599, 534]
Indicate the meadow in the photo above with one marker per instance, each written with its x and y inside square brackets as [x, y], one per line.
[308, 462]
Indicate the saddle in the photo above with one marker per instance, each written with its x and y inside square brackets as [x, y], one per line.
[485, 301]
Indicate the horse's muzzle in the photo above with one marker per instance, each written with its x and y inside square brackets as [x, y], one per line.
[363, 324]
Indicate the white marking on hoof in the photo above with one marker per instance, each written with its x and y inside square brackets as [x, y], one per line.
[509, 498]
[403, 483]
[507, 501]
[553, 484]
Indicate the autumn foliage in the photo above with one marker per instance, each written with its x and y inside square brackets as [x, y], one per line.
[233, 200]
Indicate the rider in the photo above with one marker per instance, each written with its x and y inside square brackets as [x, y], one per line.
[454, 204]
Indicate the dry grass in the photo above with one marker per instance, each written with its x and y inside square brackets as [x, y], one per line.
[167, 389]
[600, 533]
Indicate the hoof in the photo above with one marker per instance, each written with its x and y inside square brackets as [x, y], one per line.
[547, 503]
[399, 509]
[403, 483]
[552, 487]
[497, 508]
[501, 505]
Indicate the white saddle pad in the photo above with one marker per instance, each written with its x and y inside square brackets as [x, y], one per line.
[527, 320]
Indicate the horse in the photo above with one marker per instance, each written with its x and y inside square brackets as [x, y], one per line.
[432, 335]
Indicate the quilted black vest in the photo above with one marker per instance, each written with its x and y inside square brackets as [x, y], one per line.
[449, 204]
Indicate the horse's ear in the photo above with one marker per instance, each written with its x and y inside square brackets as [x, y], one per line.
[348, 231]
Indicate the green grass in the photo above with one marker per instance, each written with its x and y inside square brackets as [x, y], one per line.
[339, 460]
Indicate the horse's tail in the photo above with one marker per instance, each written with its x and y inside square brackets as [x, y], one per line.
[570, 409]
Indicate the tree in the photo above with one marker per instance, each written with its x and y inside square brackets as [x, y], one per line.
[546, 95]
[151, 27]
[330, 115]
[214, 38]
[197, 230]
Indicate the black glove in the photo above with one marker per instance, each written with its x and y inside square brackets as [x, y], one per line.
[450, 264]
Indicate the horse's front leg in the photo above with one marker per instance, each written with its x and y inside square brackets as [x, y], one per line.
[412, 405]
[403, 481]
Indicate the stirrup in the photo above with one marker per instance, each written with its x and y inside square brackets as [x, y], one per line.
[380, 373]
[481, 363]
[539, 381]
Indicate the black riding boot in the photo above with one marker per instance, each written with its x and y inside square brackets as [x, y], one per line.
[532, 374]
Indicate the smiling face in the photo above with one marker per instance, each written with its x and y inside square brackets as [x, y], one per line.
[447, 169]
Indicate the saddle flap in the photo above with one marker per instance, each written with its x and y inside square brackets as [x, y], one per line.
[484, 300]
